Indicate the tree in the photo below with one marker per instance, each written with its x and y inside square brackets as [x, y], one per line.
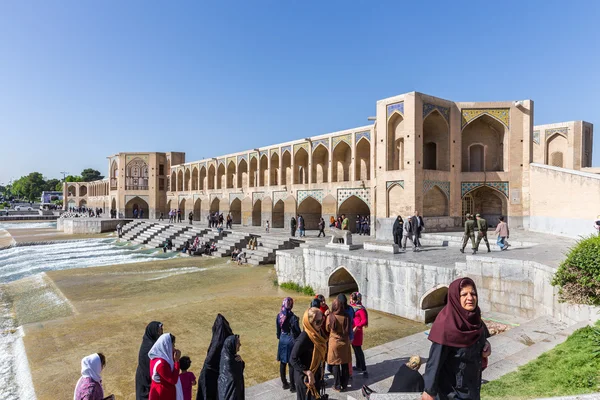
[89, 175]
[50, 185]
[73, 178]
[29, 186]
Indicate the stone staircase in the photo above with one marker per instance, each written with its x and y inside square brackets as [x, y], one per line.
[138, 230]
[230, 241]
[130, 225]
[191, 234]
[150, 233]
[267, 248]
[171, 232]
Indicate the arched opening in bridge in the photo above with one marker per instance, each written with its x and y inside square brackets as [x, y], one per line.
[113, 204]
[433, 301]
[253, 172]
[71, 204]
[301, 167]
[138, 204]
[114, 174]
[263, 173]
[286, 168]
[195, 179]
[186, 180]
[488, 133]
[436, 150]
[71, 191]
[221, 176]
[230, 175]
[235, 209]
[310, 210]
[242, 179]
[256, 213]
[341, 281]
[363, 160]
[210, 184]
[182, 209]
[352, 207]
[395, 142]
[488, 202]
[556, 146]
[214, 205]
[82, 203]
[278, 214]
[274, 169]
[320, 164]
[342, 157]
[197, 208]
[202, 178]
[83, 191]
[435, 203]
[180, 181]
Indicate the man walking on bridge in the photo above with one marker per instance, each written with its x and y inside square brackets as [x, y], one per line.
[469, 234]
[482, 227]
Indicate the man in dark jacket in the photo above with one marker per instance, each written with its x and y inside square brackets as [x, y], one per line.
[482, 228]
[293, 227]
[397, 230]
[469, 234]
[417, 225]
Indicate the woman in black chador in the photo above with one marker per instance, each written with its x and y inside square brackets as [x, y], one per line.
[231, 371]
[142, 374]
[207, 384]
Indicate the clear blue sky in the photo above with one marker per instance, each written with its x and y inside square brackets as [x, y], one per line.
[80, 80]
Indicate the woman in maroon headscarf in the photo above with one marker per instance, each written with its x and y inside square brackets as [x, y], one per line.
[459, 346]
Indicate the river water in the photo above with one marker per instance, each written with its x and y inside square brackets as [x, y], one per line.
[21, 262]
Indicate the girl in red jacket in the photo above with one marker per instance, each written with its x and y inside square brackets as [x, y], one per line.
[164, 369]
[361, 320]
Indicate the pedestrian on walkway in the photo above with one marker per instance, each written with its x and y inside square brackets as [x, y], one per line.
[345, 222]
[301, 226]
[160, 218]
[191, 217]
[469, 234]
[321, 227]
[293, 227]
[407, 232]
[338, 354]
[179, 215]
[503, 233]
[142, 375]
[417, 226]
[361, 321]
[597, 224]
[482, 228]
[397, 230]
[459, 347]
[288, 330]
[231, 371]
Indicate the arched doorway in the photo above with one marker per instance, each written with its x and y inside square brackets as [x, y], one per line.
[395, 142]
[488, 202]
[352, 207]
[253, 172]
[242, 175]
[211, 178]
[182, 208]
[301, 166]
[396, 203]
[435, 203]
[230, 174]
[286, 168]
[263, 173]
[476, 157]
[275, 169]
[257, 213]
[82, 191]
[341, 281]
[342, 157]
[320, 164]
[186, 180]
[71, 191]
[235, 209]
[138, 204]
[221, 176]
[195, 179]
[363, 160]
[435, 138]
[71, 204]
[310, 210]
[82, 203]
[202, 178]
[197, 208]
[556, 146]
[113, 204]
[173, 182]
[489, 133]
[214, 205]
[180, 181]
[278, 214]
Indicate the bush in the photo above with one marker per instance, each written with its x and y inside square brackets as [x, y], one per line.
[4, 205]
[307, 290]
[579, 274]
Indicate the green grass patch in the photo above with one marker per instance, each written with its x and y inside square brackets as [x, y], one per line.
[307, 290]
[570, 368]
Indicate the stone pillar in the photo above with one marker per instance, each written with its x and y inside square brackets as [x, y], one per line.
[279, 172]
[330, 169]
[353, 160]
[310, 168]
[268, 168]
[293, 166]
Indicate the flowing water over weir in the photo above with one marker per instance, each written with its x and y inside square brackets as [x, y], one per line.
[26, 261]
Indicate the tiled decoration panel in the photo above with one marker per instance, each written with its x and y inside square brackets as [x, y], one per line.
[561, 131]
[320, 142]
[466, 187]
[429, 108]
[389, 184]
[443, 185]
[279, 195]
[343, 138]
[536, 137]
[501, 114]
[316, 194]
[399, 107]
[301, 146]
[365, 134]
[233, 196]
[362, 193]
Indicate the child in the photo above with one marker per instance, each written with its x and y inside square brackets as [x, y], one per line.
[267, 227]
[188, 379]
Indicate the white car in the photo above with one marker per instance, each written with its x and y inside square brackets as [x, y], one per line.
[23, 208]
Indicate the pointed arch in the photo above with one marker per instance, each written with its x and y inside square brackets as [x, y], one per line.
[362, 161]
[352, 208]
[214, 205]
[274, 169]
[286, 168]
[139, 204]
[311, 210]
[320, 164]
[257, 213]
[195, 178]
[180, 180]
[242, 174]
[342, 281]
[221, 176]
[435, 203]
[202, 179]
[173, 182]
[211, 177]
[491, 134]
[186, 180]
[301, 167]
[197, 209]
[114, 175]
[488, 201]
[136, 175]
[235, 209]
[278, 214]
[342, 159]
[396, 201]
[82, 190]
[263, 172]
[231, 171]
[436, 142]
[395, 142]
[557, 146]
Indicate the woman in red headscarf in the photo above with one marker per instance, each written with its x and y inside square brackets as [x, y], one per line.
[459, 346]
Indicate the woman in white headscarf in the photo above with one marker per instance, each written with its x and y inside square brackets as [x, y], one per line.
[89, 386]
[164, 369]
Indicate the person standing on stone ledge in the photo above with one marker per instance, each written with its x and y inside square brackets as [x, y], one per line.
[397, 230]
[482, 228]
[345, 222]
[321, 227]
[469, 234]
[459, 348]
[293, 227]
[407, 232]
[417, 226]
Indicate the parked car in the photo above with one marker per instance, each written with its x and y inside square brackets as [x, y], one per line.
[24, 208]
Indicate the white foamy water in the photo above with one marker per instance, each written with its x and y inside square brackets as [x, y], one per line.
[27, 225]
[20, 262]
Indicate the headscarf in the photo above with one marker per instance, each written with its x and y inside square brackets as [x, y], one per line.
[455, 326]
[163, 349]
[142, 375]
[231, 372]
[91, 367]
[286, 309]
[207, 384]
[319, 342]
[357, 305]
